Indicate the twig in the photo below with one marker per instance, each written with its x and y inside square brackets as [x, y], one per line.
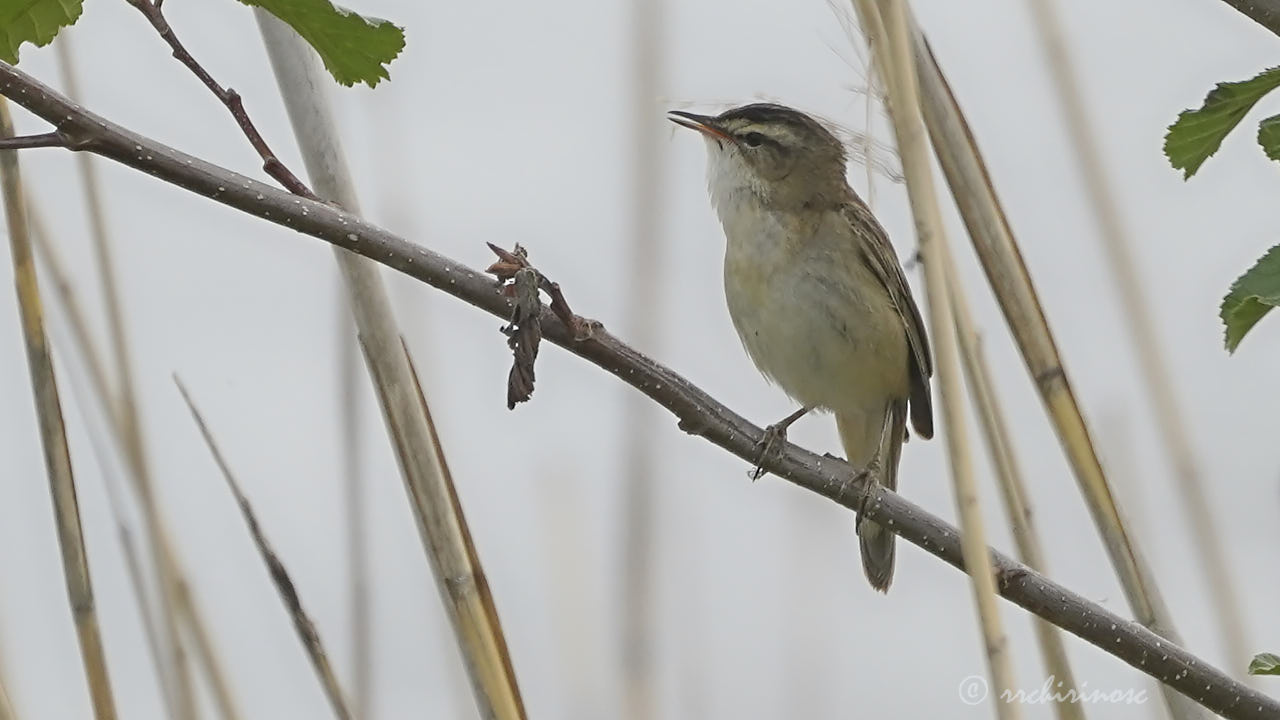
[227, 96]
[442, 526]
[1001, 259]
[698, 413]
[886, 29]
[1136, 310]
[124, 413]
[279, 575]
[23, 142]
[510, 262]
[53, 438]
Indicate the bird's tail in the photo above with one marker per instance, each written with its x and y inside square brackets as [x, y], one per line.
[864, 437]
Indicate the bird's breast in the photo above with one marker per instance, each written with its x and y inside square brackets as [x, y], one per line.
[810, 314]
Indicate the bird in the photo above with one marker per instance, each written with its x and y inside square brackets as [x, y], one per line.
[817, 294]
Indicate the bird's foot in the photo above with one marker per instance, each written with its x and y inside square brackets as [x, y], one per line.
[868, 477]
[775, 436]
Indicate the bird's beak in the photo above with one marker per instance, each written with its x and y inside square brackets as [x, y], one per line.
[704, 124]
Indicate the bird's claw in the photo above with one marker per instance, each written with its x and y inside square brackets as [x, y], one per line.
[867, 477]
[775, 436]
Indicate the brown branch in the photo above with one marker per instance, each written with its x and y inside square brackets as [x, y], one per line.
[698, 413]
[229, 97]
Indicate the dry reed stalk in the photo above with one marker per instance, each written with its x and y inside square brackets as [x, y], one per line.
[1136, 309]
[206, 653]
[429, 485]
[885, 26]
[641, 489]
[124, 403]
[91, 359]
[1002, 261]
[186, 612]
[354, 494]
[6, 707]
[53, 439]
[284, 584]
[1013, 491]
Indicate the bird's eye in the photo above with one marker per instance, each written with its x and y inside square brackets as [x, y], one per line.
[753, 139]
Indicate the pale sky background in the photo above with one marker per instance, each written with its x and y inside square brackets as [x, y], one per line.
[510, 123]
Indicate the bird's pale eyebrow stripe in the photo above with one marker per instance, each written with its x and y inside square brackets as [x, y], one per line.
[767, 133]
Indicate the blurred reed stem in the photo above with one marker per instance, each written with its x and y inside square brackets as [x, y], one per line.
[284, 585]
[1136, 310]
[126, 420]
[1013, 491]
[6, 707]
[192, 618]
[186, 613]
[885, 26]
[53, 439]
[1001, 259]
[433, 499]
[91, 359]
[643, 314]
[354, 493]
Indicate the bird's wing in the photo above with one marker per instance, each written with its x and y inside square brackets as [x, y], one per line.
[879, 255]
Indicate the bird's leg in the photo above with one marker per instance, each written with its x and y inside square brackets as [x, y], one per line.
[870, 472]
[774, 436]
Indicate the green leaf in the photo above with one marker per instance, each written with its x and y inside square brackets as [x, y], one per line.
[33, 21]
[1269, 136]
[1197, 134]
[1252, 295]
[354, 48]
[1265, 664]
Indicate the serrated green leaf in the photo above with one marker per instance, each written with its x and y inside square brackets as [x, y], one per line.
[1269, 136]
[33, 21]
[354, 48]
[1265, 664]
[1252, 295]
[1197, 134]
